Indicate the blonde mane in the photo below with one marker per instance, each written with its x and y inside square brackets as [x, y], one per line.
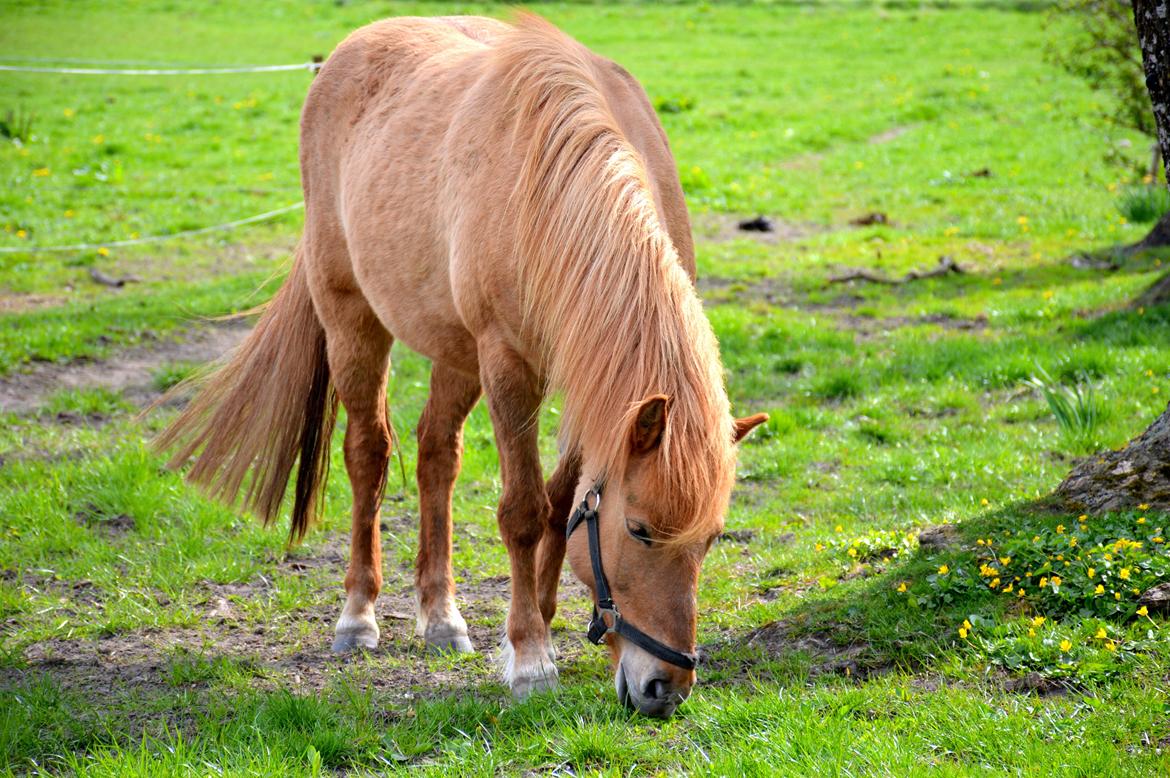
[602, 289]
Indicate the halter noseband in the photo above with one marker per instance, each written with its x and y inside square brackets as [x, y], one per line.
[598, 628]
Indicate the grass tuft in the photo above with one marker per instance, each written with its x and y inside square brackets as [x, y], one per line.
[1144, 203]
[1077, 409]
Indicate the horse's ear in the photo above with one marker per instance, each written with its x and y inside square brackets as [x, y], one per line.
[649, 424]
[747, 424]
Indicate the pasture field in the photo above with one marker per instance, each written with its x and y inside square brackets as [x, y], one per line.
[146, 630]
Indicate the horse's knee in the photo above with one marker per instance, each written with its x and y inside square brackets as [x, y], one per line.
[523, 516]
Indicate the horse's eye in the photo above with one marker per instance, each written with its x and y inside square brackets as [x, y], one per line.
[639, 532]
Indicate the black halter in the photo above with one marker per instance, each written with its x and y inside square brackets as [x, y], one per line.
[598, 629]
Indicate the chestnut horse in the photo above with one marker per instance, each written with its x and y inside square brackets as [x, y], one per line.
[504, 202]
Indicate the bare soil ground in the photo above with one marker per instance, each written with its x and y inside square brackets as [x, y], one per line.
[130, 372]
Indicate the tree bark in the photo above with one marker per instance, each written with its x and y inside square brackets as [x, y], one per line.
[1138, 474]
[1152, 20]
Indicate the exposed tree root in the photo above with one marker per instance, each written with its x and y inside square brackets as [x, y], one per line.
[946, 265]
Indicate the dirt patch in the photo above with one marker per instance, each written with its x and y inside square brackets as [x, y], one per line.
[130, 372]
[829, 653]
[889, 135]
[19, 303]
[873, 326]
[721, 227]
[718, 289]
[294, 651]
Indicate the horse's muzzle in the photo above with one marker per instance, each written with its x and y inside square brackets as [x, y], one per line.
[656, 697]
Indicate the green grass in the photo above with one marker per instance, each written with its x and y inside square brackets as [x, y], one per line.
[149, 631]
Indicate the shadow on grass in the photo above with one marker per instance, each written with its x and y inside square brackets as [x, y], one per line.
[959, 600]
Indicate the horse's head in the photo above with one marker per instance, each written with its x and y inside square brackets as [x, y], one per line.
[654, 526]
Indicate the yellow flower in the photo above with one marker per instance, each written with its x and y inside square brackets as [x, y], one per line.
[1005, 560]
[963, 633]
[1158, 539]
[1141, 520]
[1043, 581]
[1117, 595]
[1092, 571]
[1083, 517]
[1065, 646]
[69, 213]
[979, 541]
[1037, 621]
[966, 624]
[902, 587]
[1021, 593]
[69, 113]
[852, 551]
[1145, 506]
[41, 172]
[984, 501]
[1111, 646]
[838, 528]
[1143, 611]
[820, 546]
[103, 251]
[99, 139]
[1021, 219]
[1056, 580]
[994, 583]
[943, 570]
[21, 234]
[1123, 573]
[1101, 635]
[1007, 589]
[1031, 632]
[1059, 529]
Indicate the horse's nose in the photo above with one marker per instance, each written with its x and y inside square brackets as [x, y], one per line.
[656, 689]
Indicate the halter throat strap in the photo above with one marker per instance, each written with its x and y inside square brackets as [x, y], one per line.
[598, 627]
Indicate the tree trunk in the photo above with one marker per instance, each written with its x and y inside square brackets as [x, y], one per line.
[1138, 474]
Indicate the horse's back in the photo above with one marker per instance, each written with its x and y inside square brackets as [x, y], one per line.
[396, 123]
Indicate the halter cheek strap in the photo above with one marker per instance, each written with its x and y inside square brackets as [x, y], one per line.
[598, 627]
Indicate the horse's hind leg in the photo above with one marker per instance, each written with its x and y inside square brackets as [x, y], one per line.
[514, 396]
[359, 358]
[440, 446]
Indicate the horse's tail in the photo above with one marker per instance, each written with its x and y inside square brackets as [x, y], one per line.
[269, 404]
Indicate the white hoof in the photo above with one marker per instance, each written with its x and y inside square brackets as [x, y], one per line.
[356, 631]
[525, 676]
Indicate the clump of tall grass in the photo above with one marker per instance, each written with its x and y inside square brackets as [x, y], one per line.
[1078, 410]
[1144, 203]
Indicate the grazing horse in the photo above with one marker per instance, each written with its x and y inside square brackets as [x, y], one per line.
[504, 202]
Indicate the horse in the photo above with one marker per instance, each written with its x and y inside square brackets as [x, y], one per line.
[505, 203]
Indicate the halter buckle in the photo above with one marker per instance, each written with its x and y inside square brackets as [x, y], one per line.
[598, 628]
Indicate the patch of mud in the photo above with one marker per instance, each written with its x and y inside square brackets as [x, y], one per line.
[129, 372]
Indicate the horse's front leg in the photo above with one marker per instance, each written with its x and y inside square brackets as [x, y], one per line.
[551, 553]
[514, 396]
